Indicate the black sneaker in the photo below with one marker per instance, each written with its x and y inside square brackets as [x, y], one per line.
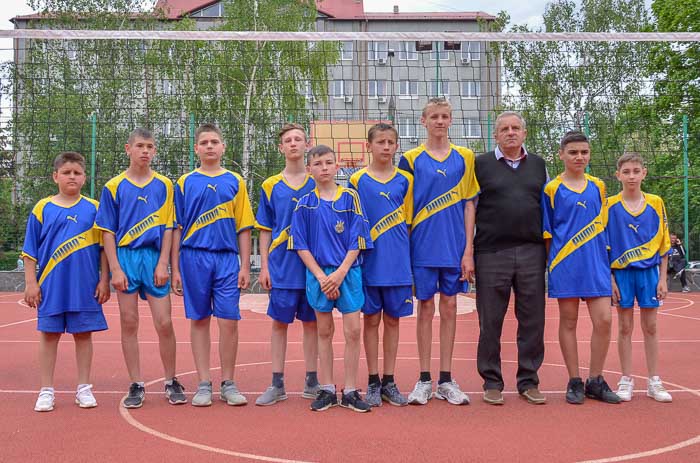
[134, 399]
[353, 401]
[324, 400]
[574, 391]
[175, 393]
[598, 389]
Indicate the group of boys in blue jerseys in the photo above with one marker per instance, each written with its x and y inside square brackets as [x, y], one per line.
[323, 247]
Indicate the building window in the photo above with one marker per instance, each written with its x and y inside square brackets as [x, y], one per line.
[408, 51]
[341, 88]
[307, 91]
[471, 51]
[472, 128]
[440, 88]
[407, 128]
[376, 88]
[471, 89]
[439, 52]
[346, 49]
[377, 51]
[168, 88]
[212, 11]
[408, 89]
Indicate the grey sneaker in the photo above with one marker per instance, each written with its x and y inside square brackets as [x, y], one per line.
[391, 394]
[175, 393]
[271, 396]
[310, 392]
[421, 394]
[203, 396]
[135, 397]
[451, 392]
[231, 395]
[374, 396]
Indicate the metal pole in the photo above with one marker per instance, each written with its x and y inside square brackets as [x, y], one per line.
[191, 141]
[587, 133]
[489, 135]
[93, 151]
[686, 238]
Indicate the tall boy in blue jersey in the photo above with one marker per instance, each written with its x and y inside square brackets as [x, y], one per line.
[214, 221]
[328, 232]
[281, 271]
[639, 244]
[442, 251]
[387, 200]
[62, 242]
[574, 215]
[136, 216]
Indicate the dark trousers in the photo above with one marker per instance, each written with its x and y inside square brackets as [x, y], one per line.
[522, 269]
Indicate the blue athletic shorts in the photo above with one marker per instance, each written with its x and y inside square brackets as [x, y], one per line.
[286, 304]
[351, 299]
[640, 284]
[139, 265]
[430, 280]
[73, 322]
[396, 301]
[210, 283]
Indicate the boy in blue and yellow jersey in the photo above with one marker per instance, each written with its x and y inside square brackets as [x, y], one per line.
[214, 223]
[639, 244]
[282, 272]
[386, 194]
[442, 249]
[62, 242]
[328, 232]
[136, 216]
[574, 220]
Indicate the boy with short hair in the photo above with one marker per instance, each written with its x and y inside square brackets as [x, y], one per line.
[639, 245]
[442, 252]
[136, 216]
[387, 199]
[62, 242]
[214, 221]
[282, 272]
[574, 218]
[328, 232]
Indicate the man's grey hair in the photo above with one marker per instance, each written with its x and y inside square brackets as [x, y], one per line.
[505, 114]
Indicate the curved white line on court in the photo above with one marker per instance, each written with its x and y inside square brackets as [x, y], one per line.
[689, 304]
[19, 322]
[648, 453]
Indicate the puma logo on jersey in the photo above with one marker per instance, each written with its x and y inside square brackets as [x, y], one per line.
[635, 228]
[212, 187]
[386, 195]
[295, 200]
[73, 218]
[142, 198]
[408, 301]
[442, 172]
[582, 204]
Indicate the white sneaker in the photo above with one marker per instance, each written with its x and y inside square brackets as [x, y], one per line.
[422, 393]
[452, 393]
[625, 388]
[685, 289]
[655, 390]
[84, 397]
[45, 401]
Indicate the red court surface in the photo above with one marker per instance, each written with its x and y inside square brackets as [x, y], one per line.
[641, 430]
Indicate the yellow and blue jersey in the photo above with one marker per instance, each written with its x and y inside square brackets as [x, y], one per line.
[575, 222]
[137, 215]
[329, 229]
[277, 202]
[65, 244]
[440, 190]
[388, 207]
[637, 240]
[212, 210]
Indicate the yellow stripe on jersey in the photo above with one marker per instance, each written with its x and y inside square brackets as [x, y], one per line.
[587, 233]
[156, 219]
[222, 211]
[438, 204]
[386, 223]
[361, 243]
[68, 247]
[641, 252]
[281, 239]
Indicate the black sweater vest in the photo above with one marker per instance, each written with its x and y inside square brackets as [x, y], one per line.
[509, 212]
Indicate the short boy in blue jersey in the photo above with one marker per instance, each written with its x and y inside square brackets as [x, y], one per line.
[214, 220]
[281, 270]
[328, 232]
[639, 245]
[574, 219]
[387, 200]
[61, 243]
[442, 251]
[137, 217]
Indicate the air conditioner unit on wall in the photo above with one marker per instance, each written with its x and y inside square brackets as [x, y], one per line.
[466, 60]
[381, 61]
[348, 98]
[381, 99]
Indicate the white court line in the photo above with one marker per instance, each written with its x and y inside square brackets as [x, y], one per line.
[339, 343]
[648, 453]
[19, 322]
[680, 316]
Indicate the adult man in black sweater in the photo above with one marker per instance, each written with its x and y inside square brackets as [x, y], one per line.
[510, 254]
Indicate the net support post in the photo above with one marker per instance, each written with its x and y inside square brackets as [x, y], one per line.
[93, 152]
[685, 185]
[191, 141]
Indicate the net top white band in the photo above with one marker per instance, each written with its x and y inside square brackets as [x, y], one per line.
[64, 34]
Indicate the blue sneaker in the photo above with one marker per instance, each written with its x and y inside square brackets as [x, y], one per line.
[391, 394]
[374, 395]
